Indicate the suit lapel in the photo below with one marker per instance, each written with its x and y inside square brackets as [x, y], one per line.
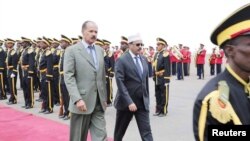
[85, 54]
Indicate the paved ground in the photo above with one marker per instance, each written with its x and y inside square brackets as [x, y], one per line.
[176, 126]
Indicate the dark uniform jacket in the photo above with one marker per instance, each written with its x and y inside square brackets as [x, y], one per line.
[237, 97]
[46, 64]
[28, 61]
[2, 59]
[161, 67]
[12, 61]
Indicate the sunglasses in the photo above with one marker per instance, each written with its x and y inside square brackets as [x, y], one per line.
[139, 44]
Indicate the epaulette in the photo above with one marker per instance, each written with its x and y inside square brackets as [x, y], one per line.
[30, 50]
[220, 106]
[21, 50]
[1, 49]
[165, 53]
[47, 52]
[58, 52]
[52, 50]
[12, 52]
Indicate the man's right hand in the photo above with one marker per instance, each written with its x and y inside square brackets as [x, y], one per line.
[132, 107]
[81, 105]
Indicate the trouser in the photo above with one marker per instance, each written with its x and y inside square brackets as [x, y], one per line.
[218, 68]
[20, 76]
[109, 90]
[179, 71]
[2, 86]
[37, 84]
[212, 69]
[123, 118]
[185, 68]
[95, 122]
[13, 90]
[200, 69]
[162, 96]
[65, 97]
[47, 94]
[55, 84]
[173, 64]
[28, 90]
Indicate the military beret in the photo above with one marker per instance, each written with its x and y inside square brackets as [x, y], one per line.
[237, 24]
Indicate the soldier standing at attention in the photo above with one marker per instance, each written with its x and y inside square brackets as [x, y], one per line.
[161, 71]
[11, 62]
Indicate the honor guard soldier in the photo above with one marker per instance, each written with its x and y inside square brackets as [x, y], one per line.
[56, 58]
[19, 50]
[11, 62]
[46, 72]
[64, 94]
[123, 47]
[37, 85]
[161, 76]
[27, 62]
[2, 72]
[110, 64]
[225, 99]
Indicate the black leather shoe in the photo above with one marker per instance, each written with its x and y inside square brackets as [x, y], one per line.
[11, 102]
[156, 114]
[39, 100]
[24, 106]
[48, 112]
[66, 118]
[162, 115]
[42, 111]
[62, 116]
[28, 107]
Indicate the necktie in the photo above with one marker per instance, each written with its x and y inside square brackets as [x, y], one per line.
[138, 66]
[92, 54]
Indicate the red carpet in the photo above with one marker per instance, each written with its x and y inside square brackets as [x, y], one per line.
[19, 126]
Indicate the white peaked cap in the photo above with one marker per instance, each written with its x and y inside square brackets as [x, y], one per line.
[135, 37]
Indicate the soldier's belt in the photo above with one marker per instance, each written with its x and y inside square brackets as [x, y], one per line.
[55, 66]
[159, 73]
[10, 67]
[25, 67]
[43, 70]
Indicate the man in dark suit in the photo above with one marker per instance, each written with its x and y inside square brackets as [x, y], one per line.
[132, 97]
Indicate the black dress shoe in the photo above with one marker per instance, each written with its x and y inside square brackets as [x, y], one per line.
[11, 102]
[162, 115]
[42, 111]
[24, 106]
[156, 114]
[66, 118]
[48, 112]
[28, 107]
[39, 100]
[62, 116]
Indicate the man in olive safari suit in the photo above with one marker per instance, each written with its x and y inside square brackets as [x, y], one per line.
[84, 76]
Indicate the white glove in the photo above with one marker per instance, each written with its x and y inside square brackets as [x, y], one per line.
[12, 75]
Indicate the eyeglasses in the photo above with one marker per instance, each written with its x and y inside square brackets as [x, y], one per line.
[139, 44]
